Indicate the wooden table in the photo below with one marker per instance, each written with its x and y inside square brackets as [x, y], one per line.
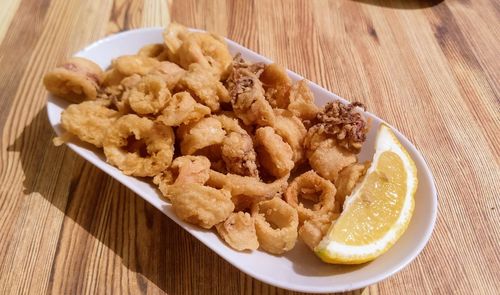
[431, 69]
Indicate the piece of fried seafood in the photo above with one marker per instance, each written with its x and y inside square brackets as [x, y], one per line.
[201, 205]
[276, 84]
[75, 80]
[88, 120]
[301, 101]
[335, 138]
[182, 109]
[200, 134]
[173, 37]
[183, 170]
[139, 146]
[276, 224]
[293, 132]
[238, 231]
[313, 230]
[149, 96]
[237, 150]
[204, 86]
[156, 50]
[347, 180]
[247, 95]
[274, 154]
[206, 49]
[313, 190]
[169, 72]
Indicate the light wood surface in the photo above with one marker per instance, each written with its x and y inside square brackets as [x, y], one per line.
[431, 69]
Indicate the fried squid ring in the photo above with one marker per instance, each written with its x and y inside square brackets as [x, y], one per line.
[293, 132]
[302, 101]
[173, 36]
[250, 187]
[207, 50]
[182, 109]
[312, 187]
[277, 85]
[89, 120]
[76, 80]
[149, 96]
[314, 229]
[128, 65]
[274, 154]
[201, 205]
[276, 225]
[151, 50]
[139, 146]
[204, 86]
[169, 72]
[184, 170]
[347, 180]
[238, 230]
[328, 160]
[200, 134]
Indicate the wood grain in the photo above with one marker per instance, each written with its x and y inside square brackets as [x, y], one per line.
[430, 68]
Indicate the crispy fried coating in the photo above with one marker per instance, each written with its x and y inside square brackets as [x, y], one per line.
[347, 180]
[247, 186]
[247, 94]
[89, 120]
[139, 146]
[276, 225]
[345, 124]
[238, 230]
[293, 132]
[148, 96]
[329, 159]
[169, 72]
[152, 50]
[275, 155]
[128, 65]
[76, 80]
[173, 36]
[314, 229]
[198, 135]
[201, 205]
[207, 50]
[239, 155]
[277, 85]
[182, 109]
[184, 170]
[302, 101]
[204, 86]
[314, 188]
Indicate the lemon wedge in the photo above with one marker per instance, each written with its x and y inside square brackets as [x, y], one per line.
[378, 210]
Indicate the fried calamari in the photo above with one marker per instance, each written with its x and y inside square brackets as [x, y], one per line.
[238, 230]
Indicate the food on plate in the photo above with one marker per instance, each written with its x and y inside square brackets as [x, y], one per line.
[75, 80]
[347, 180]
[182, 109]
[148, 96]
[276, 225]
[276, 83]
[275, 155]
[238, 230]
[89, 120]
[201, 205]
[335, 138]
[200, 134]
[204, 86]
[234, 146]
[302, 101]
[313, 188]
[379, 209]
[139, 146]
[247, 93]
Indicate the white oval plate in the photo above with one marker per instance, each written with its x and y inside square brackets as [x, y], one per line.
[299, 269]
